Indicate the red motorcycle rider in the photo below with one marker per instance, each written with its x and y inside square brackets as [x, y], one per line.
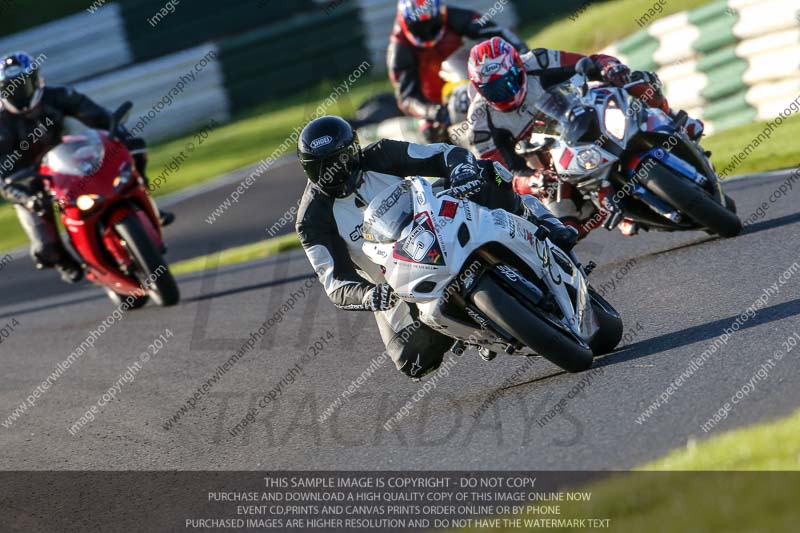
[32, 119]
[502, 114]
[425, 35]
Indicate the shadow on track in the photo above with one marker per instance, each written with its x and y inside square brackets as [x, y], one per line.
[535, 380]
[703, 332]
[772, 224]
[248, 288]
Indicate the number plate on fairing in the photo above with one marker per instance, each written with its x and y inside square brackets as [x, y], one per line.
[421, 246]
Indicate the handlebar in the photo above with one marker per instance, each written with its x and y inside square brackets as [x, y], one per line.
[28, 172]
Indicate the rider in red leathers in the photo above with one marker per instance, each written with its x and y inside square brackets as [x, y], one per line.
[425, 35]
[502, 114]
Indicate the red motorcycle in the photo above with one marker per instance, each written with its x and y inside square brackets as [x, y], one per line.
[110, 219]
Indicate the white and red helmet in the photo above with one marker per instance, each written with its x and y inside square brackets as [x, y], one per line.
[497, 73]
[423, 21]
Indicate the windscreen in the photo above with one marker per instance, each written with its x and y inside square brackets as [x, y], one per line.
[389, 213]
[77, 155]
[561, 112]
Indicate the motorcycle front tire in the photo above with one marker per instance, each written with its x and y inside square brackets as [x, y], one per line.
[523, 324]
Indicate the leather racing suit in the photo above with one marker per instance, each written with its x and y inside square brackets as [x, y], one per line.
[414, 71]
[330, 231]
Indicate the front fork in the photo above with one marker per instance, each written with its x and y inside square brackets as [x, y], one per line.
[507, 276]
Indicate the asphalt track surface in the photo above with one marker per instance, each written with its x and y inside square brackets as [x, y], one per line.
[676, 292]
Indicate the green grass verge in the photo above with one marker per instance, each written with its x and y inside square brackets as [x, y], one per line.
[769, 446]
[777, 153]
[601, 24]
[691, 489]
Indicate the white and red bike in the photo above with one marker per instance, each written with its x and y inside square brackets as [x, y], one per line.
[601, 135]
[487, 278]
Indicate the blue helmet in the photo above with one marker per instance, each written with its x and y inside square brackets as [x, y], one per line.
[21, 86]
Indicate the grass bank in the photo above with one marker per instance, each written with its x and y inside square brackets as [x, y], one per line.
[732, 482]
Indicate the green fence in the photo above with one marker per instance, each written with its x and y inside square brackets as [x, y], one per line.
[153, 33]
[282, 59]
[18, 15]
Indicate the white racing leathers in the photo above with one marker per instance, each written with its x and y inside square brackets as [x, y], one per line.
[330, 231]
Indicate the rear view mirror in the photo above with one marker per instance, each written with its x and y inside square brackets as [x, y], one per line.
[119, 117]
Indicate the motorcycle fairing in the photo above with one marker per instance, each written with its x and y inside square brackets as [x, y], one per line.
[421, 245]
[92, 233]
[485, 226]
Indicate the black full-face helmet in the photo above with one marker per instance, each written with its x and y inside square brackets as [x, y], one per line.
[330, 154]
[21, 86]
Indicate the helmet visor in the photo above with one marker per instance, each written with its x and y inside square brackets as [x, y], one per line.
[19, 90]
[504, 89]
[336, 173]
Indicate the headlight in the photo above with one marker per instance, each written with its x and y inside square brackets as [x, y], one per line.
[590, 158]
[615, 121]
[124, 178]
[87, 202]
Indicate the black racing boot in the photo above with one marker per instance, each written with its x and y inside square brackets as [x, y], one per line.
[70, 270]
[166, 218]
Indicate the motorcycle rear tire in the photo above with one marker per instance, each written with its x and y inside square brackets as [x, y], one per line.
[527, 327]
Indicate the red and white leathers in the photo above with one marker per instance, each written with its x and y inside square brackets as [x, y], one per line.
[494, 133]
[414, 70]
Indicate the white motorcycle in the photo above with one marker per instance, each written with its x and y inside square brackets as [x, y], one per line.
[487, 278]
[600, 135]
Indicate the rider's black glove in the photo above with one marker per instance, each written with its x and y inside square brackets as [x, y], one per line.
[381, 298]
[467, 179]
[650, 78]
[442, 116]
[35, 205]
[467, 189]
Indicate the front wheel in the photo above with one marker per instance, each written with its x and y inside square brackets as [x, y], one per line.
[610, 325]
[730, 203]
[693, 201]
[154, 273]
[136, 302]
[524, 325]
